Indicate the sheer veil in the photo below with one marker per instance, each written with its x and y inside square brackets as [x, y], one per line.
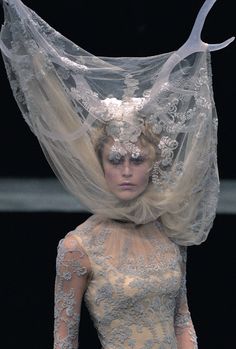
[62, 91]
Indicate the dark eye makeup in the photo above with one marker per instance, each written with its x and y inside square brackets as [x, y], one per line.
[116, 161]
[138, 160]
[119, 160]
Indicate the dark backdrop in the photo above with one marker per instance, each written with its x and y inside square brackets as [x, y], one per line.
[116, 28]
[28, 254]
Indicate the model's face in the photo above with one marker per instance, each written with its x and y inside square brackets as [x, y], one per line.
[126, 177]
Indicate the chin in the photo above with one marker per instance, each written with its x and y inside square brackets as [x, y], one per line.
[127, 196]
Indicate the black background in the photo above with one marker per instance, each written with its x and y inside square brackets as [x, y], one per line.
[29, 240]
[27, 282]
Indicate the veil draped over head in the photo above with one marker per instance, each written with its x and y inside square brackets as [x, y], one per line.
[67, 94]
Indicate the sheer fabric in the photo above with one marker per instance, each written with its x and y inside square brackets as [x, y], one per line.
[65, 95]
[131, 274]
[134, 283]
[72, 275]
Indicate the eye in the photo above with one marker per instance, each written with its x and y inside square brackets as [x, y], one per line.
[139, 160]
[116, 160]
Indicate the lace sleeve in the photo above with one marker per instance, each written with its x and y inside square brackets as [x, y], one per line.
[72, 272]
[184, 330]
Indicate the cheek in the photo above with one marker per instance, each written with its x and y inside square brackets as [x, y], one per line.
[110, 176]
[145, 180]
[143, 176]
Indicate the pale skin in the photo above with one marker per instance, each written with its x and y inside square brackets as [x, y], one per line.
[126, 177]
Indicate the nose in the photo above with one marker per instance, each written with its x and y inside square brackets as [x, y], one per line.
[127, 169]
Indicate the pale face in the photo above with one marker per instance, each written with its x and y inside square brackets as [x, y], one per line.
[126, 177]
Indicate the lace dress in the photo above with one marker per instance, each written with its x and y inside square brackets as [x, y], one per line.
[133, 280]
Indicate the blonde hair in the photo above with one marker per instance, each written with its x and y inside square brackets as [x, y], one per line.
[146, 139]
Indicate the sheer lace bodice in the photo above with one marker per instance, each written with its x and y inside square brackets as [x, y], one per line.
[133, 281]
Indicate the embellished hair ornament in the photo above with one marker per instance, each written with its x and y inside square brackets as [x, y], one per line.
[168, 113]
[66, 94]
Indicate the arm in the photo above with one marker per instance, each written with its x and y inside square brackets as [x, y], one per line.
[72, 273]
[184, 330]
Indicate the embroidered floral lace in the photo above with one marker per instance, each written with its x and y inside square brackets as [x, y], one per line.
[133, 279]
[131, 276]
[67, 95]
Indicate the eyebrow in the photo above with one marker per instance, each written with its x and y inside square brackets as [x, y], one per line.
[112, 156]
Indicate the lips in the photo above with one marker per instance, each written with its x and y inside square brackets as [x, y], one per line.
[127, 185]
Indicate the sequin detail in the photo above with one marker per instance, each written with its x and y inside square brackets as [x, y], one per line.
[136, 300]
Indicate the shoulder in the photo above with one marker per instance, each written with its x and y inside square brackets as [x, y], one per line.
[183, 258]
[183, 252]
[72, 256]
[75, 242]
[72, 239]
[86, 232]
[88, 226]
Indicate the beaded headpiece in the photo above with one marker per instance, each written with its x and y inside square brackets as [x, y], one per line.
[65, 94]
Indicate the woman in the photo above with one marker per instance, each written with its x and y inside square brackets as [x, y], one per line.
[133, 275]
[135, 140]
